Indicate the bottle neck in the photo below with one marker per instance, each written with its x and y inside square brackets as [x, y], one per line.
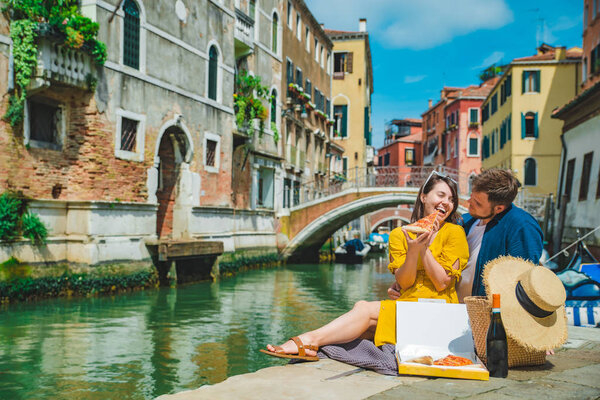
[495, 310]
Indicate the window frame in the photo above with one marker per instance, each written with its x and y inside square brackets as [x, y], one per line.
[215, 138]
[61, 129]
[298, 26]
[275, 36]
[138, 155]
[407, 151]
[478, 150]
[290, 10]
[471, 109]
[219, 76]
[525, 172]
[585, 172]
[142, 42]
[536, 81]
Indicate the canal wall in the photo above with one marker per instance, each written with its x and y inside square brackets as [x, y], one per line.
[108, 245]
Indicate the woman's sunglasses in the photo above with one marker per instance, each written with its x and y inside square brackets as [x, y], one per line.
[434, 172]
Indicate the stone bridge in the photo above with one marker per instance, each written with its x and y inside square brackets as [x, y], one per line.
[309, 225]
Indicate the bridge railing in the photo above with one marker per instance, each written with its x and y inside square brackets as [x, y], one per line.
[373, 177]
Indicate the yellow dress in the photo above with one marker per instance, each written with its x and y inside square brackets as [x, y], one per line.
[449, 245]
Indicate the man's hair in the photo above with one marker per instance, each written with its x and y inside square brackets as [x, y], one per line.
[499, 184]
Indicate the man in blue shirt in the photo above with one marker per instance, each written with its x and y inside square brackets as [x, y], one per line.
[495, 227]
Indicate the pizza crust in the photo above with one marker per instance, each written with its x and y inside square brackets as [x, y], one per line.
[414, 229]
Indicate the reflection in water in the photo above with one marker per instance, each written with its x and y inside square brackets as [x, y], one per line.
[145, 344]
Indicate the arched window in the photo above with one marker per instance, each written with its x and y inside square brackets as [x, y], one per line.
[530, 129]
[252, 8]
[131, 34]
[274, 106]
[213, 64]
[530, 172]
[275, 30]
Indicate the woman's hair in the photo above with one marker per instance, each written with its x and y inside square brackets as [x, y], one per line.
[419, 208]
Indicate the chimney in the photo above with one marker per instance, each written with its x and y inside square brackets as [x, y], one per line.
[430, 102]
[560, 53]
[362, 25]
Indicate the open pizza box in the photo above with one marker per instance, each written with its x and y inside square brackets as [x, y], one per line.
[437, 330]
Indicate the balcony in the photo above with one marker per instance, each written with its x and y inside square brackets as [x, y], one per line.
[62, 65]
[244, 34]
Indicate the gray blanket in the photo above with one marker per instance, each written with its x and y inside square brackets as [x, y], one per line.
[363, 353]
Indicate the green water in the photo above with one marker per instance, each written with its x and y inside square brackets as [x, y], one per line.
[145, 344]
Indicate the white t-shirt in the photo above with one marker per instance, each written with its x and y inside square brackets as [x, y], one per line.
[465, 285]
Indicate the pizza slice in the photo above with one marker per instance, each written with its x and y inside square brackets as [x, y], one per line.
[423, 225]
[453, 361]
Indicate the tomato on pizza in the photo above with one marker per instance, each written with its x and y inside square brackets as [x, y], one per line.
[423, 225]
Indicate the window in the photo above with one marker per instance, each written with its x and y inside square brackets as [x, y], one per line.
[274, 34]
[585, 176]
[289, 14]
[473, 115]
[289, 72]
[473, 146]
[131, 34]
[508, 85]
[485, 114]
[44, 123]
[307, 38]
[129, 137]
[212, 150]
[494, 103]
[308, 89]
[584, 69]
[456, 149]
[341, 120]
[316, 50]
[339, 62]
[252, 9]
[569, 180]
[328, 62]
[322, 57]
[264, 195]
[213, 73]
[298, 26]
[299, 77]
[386, 159]
[345, 165]
[529, 125]
[531, 81]
[274, 106]
[409, 157]
[530, 172]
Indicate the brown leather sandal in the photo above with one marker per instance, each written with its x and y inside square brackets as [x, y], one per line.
[301, 352]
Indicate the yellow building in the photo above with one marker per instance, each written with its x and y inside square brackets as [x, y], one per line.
[351, 91]
[518, 131]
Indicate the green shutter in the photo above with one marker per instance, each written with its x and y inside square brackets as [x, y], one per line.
[131, 34]
[522, 126]
[212, 73]
[536, 76]
[523, 79]
[367, 127]
[535, 125]
[508, 134]
[344, 121]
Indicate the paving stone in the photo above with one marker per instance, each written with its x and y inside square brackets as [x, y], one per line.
[460, 387]
[409, 392]
[495, 395]
[588, 376]
[549, 390]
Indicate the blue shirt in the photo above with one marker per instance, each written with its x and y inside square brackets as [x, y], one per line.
[513, 232]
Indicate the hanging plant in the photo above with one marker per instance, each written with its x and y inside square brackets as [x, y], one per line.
[32, 18]
[248, 104]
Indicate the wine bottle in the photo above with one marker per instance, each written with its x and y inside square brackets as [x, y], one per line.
[496, 345]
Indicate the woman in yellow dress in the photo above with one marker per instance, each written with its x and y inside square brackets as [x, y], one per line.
[425, 266]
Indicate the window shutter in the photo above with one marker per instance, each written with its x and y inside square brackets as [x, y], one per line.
[535, 125]
[509, 127]
[523, 79]
[522, 126]
[349, 60]
[536, 76]
[344, 121]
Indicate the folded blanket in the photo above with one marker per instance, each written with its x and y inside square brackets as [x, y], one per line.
[363, 353]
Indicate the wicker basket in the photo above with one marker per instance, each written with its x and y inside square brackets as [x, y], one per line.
[479, 309]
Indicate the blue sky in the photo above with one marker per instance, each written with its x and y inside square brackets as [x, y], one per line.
[418, 46]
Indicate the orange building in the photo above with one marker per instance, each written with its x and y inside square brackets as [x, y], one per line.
[402, 145]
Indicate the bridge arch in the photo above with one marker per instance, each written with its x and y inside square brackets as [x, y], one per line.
[387, 219]
[306, 243]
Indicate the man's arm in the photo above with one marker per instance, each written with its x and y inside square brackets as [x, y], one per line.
[526, 241]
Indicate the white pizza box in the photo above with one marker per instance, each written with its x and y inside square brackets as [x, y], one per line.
[435, 329]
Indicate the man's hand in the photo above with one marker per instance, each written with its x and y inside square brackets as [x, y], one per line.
[394, 291]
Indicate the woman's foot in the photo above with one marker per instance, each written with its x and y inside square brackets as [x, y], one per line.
[290, 347]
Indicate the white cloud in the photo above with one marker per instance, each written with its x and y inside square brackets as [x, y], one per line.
[493, 58]
[413, 24]
[414, 78]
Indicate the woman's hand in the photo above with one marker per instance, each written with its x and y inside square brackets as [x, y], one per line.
[419, 244]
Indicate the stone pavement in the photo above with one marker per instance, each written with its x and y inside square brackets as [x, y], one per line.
[572, 373]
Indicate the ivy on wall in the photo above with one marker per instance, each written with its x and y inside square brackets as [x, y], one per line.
[249, 106]
[59, 19]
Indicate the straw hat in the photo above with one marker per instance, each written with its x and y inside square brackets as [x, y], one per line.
[532, 302]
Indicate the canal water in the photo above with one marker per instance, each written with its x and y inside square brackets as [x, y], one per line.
[145, 344]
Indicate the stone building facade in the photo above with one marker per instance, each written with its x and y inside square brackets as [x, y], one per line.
[150, 153]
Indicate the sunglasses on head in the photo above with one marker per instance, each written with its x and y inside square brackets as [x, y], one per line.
[434, 172]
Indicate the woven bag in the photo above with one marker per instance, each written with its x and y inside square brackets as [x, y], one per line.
[479, 309]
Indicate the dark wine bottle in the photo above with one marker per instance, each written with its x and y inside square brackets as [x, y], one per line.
[496, 345]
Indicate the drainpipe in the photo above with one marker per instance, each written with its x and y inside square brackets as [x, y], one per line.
[561, 200]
